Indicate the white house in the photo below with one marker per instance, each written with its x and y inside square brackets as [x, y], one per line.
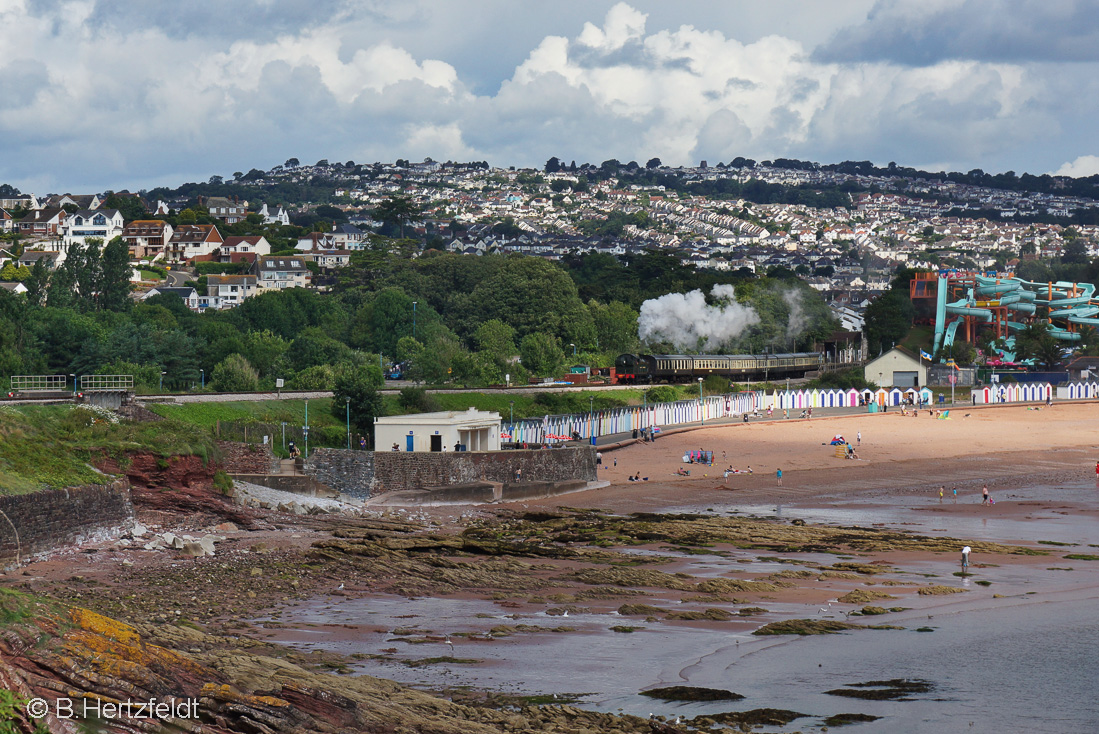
[104, 224]
[896, 368]
[469, 430]
[278, 217]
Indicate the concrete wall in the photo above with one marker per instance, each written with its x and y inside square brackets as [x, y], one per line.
[42, 521]
[366, 473]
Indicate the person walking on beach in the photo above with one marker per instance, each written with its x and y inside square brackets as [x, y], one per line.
[941, 494]
[965, 558]
[779, 475]
[955, 490]
[984, 495]
[599, 458]
[858, 438]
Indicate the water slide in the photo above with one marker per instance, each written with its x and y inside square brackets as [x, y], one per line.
[1074, 303]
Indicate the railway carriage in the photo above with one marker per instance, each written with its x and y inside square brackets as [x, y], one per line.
[651, 368]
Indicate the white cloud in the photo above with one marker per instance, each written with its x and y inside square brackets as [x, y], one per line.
[89, 101]
[1085, 165]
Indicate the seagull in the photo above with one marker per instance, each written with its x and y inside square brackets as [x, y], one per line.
[565, 613]
[339, 588]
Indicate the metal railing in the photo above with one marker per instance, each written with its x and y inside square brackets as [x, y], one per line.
[39, 383]
[102, 383]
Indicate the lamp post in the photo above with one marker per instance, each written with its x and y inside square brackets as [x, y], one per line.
[701, 405]
[573, 349]
[74, 382]
[413, 319]
[511, 415]
[347, 405]
[162, 381]
[202, 374]
[305, 429]
[591, 415]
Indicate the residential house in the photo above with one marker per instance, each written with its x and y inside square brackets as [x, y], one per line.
[230, 290]
[43, 222]
[193, 240]
[279, 216]
[317, 241]
[189, 295]
[80, 201]
[235, 245]
[22, 201]
[7, 222]
[14, 287]
[227, 210]
[329, 259]
[49, 258]
[348, 236]
[282, 271]
[104, 224]
[147, 238]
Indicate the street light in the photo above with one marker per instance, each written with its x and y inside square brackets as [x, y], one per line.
[347, 405]
[413, 319]
[305, 428]
[511, 412]
[573, 349]
[591, 415]
[74, 382]
[162, 381]
[202, 374]
[701, 406]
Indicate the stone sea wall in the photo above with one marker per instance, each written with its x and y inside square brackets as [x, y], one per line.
[366, 473]
[43, 521]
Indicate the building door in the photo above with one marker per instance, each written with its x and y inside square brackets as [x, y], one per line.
[905, 379]
[408, 443]
[436, 443]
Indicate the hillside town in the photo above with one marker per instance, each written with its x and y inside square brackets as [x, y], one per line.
[846, 249]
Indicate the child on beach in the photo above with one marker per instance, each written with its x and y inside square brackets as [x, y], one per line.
[965, 558]
[984, 495]
[779, 475]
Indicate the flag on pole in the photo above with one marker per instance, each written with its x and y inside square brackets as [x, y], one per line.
[925, 355]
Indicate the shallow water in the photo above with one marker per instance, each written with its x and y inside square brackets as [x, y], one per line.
[1027, 663]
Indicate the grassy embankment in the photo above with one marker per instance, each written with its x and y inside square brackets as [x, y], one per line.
[327, 429]
[51, 446]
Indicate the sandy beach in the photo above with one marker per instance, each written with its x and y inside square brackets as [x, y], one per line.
[999, 446]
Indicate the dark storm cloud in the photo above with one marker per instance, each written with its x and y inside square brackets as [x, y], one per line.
[923, 33]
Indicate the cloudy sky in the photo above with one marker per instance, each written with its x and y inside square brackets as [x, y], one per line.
[98, 94]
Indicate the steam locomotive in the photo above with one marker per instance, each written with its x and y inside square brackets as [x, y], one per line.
[650, 368]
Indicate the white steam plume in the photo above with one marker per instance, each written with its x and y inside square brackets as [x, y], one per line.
[688, 322]
[798, 319]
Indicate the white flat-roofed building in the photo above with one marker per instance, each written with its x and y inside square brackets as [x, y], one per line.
[469, 430]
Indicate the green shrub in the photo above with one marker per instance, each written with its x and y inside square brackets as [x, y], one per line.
[223, 482]
[417, 400]
[662, 394]
[234, 374]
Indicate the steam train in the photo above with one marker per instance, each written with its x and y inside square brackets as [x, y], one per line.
[650, 368]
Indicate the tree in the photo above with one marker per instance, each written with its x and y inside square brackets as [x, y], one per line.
[8, 272]
[234, 374]
[541, 354]
[399, 211]
[888, 320]
[496, 339]
[653, 163]
[114, 291]
[615, 326]
[553, 165]
[355, 394]
[37, 283]
[292, 163]
[1075, 252]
